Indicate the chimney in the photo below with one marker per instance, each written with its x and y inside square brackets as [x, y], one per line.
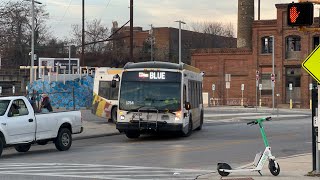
[245, 20]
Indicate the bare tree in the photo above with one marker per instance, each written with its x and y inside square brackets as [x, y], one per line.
[15, 31]
[214, 28]
[95, 31]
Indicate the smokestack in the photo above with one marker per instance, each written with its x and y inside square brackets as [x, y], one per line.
[245, 20]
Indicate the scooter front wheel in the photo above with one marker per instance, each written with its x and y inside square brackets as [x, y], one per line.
[223, 166]
[273, 169]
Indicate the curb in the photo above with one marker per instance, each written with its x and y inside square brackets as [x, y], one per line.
[95, 136]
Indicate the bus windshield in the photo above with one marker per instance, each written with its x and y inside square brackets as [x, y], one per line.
[164, 96]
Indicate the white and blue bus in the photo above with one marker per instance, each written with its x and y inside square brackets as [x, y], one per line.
[160, 97]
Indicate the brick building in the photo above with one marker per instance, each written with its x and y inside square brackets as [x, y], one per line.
[291, 48]
[166, 42]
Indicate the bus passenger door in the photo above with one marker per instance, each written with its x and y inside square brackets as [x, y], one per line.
[185, 99]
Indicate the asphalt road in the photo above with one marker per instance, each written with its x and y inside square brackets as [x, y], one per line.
[159, 157]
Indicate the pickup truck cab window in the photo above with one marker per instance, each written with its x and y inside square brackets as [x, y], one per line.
[3, 106]
[18, 108]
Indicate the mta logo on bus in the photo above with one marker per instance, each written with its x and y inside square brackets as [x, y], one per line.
[153, 75]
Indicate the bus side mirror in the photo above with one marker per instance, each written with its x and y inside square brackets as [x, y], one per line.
[187, 106]
[113, 83]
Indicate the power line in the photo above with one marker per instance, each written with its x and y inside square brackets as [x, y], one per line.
[110, 37]
[105, 8]
[65, 12]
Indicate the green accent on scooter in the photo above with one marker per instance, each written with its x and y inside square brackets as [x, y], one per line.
[263, 133]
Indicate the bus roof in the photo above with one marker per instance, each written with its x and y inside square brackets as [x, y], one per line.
[162, 65]
[108, 70]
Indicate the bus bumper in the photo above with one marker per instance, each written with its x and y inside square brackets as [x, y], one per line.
[145, 126]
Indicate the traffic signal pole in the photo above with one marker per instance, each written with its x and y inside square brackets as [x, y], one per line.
[300, 15]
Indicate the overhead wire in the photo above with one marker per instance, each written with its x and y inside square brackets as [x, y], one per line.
[105, 8]
[65, 12]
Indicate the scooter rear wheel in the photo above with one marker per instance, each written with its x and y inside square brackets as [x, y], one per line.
[274, 171]
[223, 166]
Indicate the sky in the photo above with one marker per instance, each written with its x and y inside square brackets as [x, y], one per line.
[159, 13]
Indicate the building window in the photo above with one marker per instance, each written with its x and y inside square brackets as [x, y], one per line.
[293, 43]
[293, 47]
[315, 41]
[266, 47]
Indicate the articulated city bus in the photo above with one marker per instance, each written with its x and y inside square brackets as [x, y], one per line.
[160, 96]
[105, 97]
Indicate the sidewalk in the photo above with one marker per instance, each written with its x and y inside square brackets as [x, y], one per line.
[291, 168]
[254, 109]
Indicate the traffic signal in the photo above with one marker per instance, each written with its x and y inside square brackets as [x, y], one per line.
[300, 14]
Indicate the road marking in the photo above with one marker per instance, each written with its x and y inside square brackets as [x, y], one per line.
[97, 171]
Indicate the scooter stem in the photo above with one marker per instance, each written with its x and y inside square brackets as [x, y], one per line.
[263, 134]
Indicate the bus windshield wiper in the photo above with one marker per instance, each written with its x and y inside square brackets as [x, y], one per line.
[134, 110]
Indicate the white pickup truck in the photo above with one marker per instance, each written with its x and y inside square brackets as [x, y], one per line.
[20, 126]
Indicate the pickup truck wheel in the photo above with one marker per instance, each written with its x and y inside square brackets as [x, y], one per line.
[64, 139]
[1, 146]
[22, 147]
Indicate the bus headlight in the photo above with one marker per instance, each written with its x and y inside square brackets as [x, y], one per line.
[178, 116]
[122, 117]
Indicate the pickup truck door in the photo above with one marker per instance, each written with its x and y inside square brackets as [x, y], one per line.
[20, 123]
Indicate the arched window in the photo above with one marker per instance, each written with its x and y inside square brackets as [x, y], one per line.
[293, 43]
[266, 45]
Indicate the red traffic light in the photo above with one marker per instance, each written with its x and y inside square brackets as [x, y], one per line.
[300, 14]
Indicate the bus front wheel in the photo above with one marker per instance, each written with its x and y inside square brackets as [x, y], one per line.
[114, 114]
[189, 130]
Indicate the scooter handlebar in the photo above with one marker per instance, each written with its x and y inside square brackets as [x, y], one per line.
[268, 118]
[252, 122]
[255, 122]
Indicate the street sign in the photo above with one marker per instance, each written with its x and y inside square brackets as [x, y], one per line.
[290, 86]
[228, 77]
[213, 87]
[312, 65]
[272, 78]
[227, 85]
[242, 87]
[310, 86]
[260, 87]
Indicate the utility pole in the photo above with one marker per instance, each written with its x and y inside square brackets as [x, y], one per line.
[273, 81]
[180, 22]
[258, 10]
[131, 30]
[69, 59]
[83, 39]
[32, 41]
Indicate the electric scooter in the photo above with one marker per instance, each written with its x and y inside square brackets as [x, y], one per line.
[225, 169]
